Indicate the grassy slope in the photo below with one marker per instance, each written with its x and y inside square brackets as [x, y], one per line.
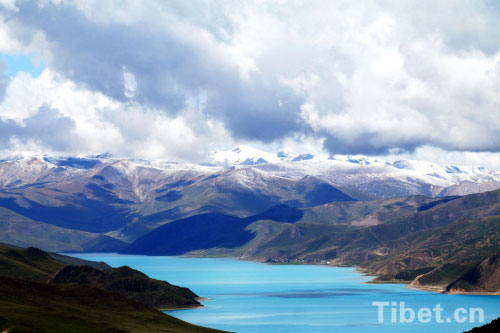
[28, 264]
[128, 283]
[207, 231]
[79, 262]
[268, 242]
[366, 213]
[35, 265]
[31, 305]
[34, 307]
[450, 249]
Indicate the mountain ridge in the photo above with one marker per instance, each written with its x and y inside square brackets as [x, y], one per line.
[428, 242]
[35, 167]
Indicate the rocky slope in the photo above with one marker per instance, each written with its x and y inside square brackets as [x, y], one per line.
[485, 277]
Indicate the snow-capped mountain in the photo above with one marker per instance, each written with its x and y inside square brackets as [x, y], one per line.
[245, 155]
[126, 198]
[378, 177]
[369, 177]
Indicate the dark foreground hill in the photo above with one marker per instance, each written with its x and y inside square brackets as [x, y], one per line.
[493, 327]
[38, 266]
[43, 292]
[128, 283]
[33, 264]
[36, 307]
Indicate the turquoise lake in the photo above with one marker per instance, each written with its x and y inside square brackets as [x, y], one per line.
[254, 297]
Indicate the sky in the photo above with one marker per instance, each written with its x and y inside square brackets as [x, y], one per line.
[175, 80]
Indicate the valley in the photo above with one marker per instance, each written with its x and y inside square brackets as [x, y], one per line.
[396, 220]
[407, 222]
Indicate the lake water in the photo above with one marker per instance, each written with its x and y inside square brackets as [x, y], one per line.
[254, 297]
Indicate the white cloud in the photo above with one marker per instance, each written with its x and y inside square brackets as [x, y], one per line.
[100, 124]
[427, 153]
[347, 76]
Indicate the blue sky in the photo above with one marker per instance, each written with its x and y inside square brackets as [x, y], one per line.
[24, 63]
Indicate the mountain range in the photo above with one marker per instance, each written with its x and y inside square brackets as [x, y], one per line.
[412, 221]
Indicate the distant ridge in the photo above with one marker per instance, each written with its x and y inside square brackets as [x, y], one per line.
[103, 203]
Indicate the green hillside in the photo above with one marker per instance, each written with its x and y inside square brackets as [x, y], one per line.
[35, 307]
[44, 292]
[128, 283]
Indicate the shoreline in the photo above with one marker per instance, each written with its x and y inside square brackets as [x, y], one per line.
[407, 284]
[363, 271]
[188, 307]
[434, 289]
[430, 288]
[183, 308]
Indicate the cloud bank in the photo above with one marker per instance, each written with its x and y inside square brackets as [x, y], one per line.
[176, 79]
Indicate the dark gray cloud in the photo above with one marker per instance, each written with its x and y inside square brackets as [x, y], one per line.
[4, 82]
[46, 128]
[167, 70]
[254, 112]
[366, 144]
[96, 55]
[4, 79]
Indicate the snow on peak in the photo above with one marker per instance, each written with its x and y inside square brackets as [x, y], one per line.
[246, 155]
[358, 160]
[243, 155]
[431, 168]
[359, 168]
